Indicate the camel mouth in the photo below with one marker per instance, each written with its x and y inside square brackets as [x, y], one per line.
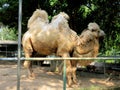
[102, 34]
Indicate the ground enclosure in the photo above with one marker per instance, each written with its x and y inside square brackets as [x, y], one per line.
[47, 80]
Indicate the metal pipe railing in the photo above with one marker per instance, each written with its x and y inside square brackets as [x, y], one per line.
[19, 43]
[56, 58]
[60, 58]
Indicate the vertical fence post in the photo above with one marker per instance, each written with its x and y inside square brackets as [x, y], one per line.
[19, 43]
[64, 75]
[104, 68]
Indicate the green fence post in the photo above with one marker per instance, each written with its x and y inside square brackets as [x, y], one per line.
[64, 75]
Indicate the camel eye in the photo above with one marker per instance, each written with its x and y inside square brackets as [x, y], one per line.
[93, 30]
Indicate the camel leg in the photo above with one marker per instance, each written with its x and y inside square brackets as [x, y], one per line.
[74, 68]
[68, 71]
[74, 75]
[69, 75]
[28, 64]
[68, 66]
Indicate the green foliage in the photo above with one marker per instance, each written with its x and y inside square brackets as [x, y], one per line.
[9, 12]
[112, 45]
[81, 12]
[87, 9]
[92, 87]
[7, 33]
[53, 2]
[3, 1]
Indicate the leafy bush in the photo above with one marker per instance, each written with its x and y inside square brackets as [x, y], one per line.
[113, 45]
[7, 33]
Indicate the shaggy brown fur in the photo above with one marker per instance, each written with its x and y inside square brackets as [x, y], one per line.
[45, 38]
[88, 47]
[48, 38]
[38, 15]
[60, 21]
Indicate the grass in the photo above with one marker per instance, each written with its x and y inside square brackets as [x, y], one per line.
[90, 88]
[98, 88]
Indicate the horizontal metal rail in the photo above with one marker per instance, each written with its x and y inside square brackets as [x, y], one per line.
[9, 59]
[61, 58]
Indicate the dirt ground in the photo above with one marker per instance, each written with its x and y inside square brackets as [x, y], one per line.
[50, 81]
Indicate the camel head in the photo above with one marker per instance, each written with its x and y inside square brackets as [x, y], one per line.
[89, 41]
[95, 29]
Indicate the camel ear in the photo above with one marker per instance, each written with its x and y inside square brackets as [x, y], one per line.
[93, 30]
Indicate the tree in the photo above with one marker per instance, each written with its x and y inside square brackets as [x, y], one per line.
[81, 12]
[9, 12]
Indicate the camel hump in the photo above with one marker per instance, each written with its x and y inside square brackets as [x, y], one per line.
[41, 14]
[60, 21]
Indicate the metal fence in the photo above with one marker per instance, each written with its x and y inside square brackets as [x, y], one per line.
[8, 48]
[19, 58]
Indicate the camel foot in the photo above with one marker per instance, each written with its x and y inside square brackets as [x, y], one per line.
[75, 82]
[32, 76]
[69, 86]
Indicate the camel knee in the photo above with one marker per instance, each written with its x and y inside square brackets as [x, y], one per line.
[26, 64]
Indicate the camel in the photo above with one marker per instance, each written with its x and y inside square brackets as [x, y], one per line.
[89, 46]
[56, 37]
[48, 38]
